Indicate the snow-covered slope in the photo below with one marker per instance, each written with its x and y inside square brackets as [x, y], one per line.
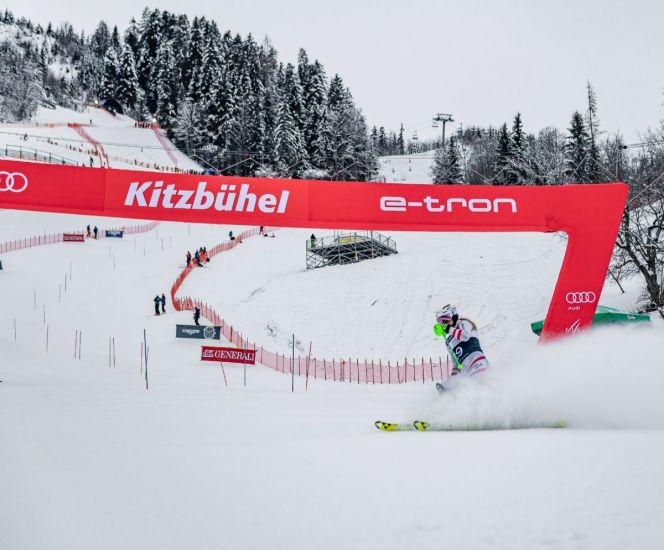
[415, 168]
[91, 459]
[125, 144]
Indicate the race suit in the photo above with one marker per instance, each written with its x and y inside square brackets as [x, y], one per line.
[463, 340]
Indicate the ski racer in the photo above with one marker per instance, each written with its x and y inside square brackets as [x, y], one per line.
[462, 341]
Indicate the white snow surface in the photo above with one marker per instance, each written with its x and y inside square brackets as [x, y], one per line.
[414, 168]
[91, 459]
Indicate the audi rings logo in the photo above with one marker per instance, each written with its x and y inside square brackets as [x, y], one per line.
[580, 297]
[13, 181]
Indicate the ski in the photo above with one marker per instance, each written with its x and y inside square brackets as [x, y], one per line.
[393, 427]
[423, 426]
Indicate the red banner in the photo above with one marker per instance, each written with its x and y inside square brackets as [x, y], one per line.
[228, 355]
[588, 214]
[73, 237]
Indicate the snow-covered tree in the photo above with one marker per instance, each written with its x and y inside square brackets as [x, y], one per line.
[166, 86]
[127, 89]
[576, 150]
[109, 81]
[446, 168]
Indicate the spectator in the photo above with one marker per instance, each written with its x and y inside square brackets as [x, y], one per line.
[231, 236]
[188, 258]
[157, 301]
[197, 315]
[92, 162]
[163, 303]
[95, 231]
[312, 241]
[89, 231]
[261, 231]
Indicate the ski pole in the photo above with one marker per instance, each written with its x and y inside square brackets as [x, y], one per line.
[440, 330]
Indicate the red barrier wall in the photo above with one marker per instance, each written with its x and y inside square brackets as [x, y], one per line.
[589, 214]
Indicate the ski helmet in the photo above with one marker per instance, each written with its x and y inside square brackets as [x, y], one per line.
[447, 314]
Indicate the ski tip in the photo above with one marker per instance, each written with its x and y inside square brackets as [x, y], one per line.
[420, 425]
[385, 426]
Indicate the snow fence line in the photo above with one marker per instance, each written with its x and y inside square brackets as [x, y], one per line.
[101, 153]
[337, 370]
[39, 240]
[165, 144]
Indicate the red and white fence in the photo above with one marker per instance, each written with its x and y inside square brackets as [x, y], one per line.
[338, 370]
[39, 240]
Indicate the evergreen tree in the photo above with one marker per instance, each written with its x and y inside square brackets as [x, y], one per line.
[594, 165]
[504, 155]
[314, 96]
[576, 151]
[115, 41]
[43, 63]
[517, 157]
[127, 91]
[269, 100]
[100, 40]
[146, 66]
[401, 146]
[132, 37]
[194, 61]
[446, 168]
[166, 86]
[290, 151]
[109, 81]
[382, 148]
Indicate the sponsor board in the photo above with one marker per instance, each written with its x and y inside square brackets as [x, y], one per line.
[115, 233]
[14, 182]
[198, 331]
[228, 355]
[589, 214]
[73, 237]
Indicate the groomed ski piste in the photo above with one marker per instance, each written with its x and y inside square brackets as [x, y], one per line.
[90, 458]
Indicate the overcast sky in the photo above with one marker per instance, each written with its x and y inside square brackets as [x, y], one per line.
[481, 61]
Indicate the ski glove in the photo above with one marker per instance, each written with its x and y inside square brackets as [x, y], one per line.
[440, 330]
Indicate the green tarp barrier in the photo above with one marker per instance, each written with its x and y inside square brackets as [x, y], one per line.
[603, 316]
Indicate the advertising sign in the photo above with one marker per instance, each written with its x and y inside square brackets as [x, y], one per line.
[590, 215]
[115, 233]
[73, 237]
[228, 355]
[198, 331]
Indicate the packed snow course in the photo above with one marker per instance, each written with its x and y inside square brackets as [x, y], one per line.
[90, 458]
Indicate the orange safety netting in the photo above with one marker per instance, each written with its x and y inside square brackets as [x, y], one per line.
[338, 370]
[39, 240]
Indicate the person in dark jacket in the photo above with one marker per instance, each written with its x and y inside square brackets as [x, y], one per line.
[188, 258]
[157, 302]
[197, 315]
[95, 231]
[163, 303]
[89, 231]
[231, 236]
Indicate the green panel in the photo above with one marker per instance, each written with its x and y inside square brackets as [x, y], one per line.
[604, 315]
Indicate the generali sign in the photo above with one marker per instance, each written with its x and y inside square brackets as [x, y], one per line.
[73, 237]
[228, 355]
[589, 214]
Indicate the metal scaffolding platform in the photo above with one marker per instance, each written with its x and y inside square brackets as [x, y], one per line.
[347, 248]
